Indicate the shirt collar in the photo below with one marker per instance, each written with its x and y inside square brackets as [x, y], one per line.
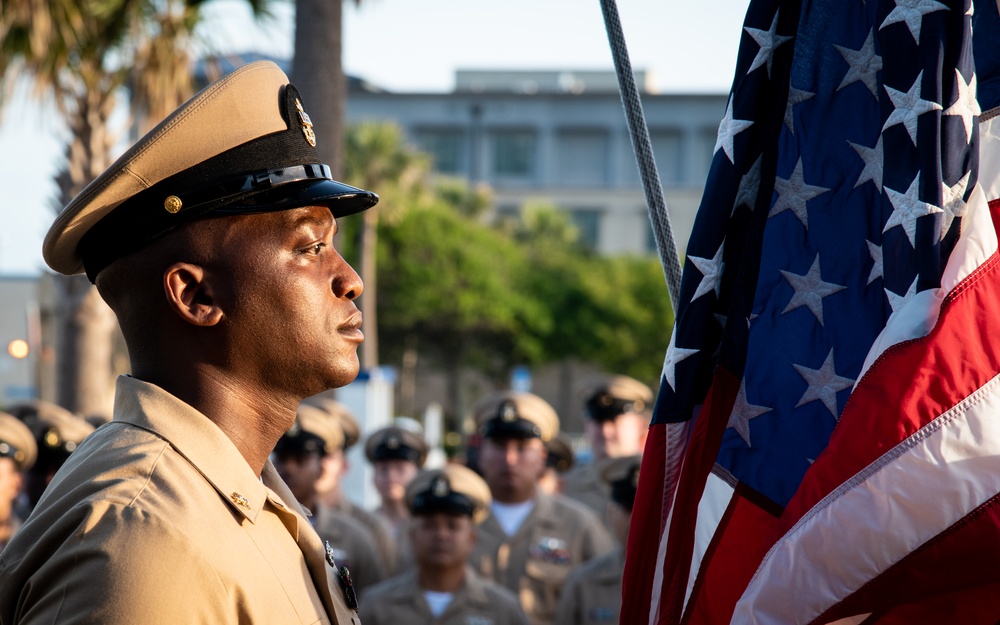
[194, 436]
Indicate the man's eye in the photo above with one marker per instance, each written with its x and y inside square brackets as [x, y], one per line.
[316, 248]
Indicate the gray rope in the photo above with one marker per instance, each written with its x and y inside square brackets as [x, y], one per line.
[658, 215]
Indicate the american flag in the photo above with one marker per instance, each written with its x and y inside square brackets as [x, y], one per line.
[825, 445]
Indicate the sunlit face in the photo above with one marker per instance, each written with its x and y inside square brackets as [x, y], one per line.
[392, 477]
[335, 467]
[512, 467]
[624, 435]
[287, 297]
[10, 482]
[442, 540]
[300, 472]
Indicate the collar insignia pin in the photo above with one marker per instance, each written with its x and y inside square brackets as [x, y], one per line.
[241, 502]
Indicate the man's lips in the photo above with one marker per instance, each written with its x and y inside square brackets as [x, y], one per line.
[352, 327]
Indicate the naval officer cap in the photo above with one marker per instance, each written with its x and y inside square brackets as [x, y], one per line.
[512, 414]
[348, 424]
[608, 397]
[17, 442]
[242, 145]
[57, 431]
[314, 431]
[396, 443]
[453, 489]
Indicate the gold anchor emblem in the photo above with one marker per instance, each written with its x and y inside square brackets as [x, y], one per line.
[240, 501]
[307, 125]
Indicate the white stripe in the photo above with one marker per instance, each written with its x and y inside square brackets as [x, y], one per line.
[920, 488]
[852, 620]
[714, 502]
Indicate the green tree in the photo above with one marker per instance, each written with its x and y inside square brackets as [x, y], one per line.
[80, 56]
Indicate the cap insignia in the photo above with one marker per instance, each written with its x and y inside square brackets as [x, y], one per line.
[392, 443]
[241, 502]
[4, 448]
[52, 438]
[508, 412]
[172, 204]
[440, 487]
[307, 125]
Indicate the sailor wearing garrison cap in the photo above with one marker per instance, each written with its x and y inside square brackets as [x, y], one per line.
[440, 587]
[616, 418]
[531, 540]
[17, 454]
[212, 240]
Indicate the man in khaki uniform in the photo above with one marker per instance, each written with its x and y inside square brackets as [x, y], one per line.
[531, 540]
[17, 453]
[616, 422]
[298, 457]
[441, 589]
[330, 491]
[593, 593]
[212, 240]
[397, 454]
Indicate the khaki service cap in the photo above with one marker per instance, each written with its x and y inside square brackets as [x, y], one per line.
[315, 431]
[608, 397]
[396, 443]
[56, 430]
[622, 475]
[560, 456]
[17, 442]
[244, 144]
[512, 414]
[453, 489]
[348, 424]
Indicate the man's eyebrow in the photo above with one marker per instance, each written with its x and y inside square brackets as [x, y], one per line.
[308, 219]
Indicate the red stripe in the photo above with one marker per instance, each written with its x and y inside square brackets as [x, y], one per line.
[918, 381]
[731, 560]
[645, 530]
[963, 557]
[704, 447]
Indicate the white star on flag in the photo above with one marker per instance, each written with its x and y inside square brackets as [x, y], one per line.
[907, 208]
[728, 129]
[711, 273]
[674, 355]
[768, 40]
[912, 13]
[875, 251]
[953, 202]
[872, 158]
[810, 290]
[743, 412]
[746, 195]
[966, 105]
[909, 107]
[793, 193]
[824, 383]
[864, 64]
[795, 96]
[897, 301]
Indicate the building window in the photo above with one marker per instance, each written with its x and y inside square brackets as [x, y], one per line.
[667, 152]
[588, 223]
[445, 147]
[582, 158]
[514, 154]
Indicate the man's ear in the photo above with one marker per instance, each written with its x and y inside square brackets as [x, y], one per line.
[190, 294]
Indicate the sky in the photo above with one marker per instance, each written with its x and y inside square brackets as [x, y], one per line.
[400, 45]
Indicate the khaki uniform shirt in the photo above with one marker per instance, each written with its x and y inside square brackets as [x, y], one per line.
[584, 484]
[352, 545]
[400, 601]
[378, 529]
[157, 518]
[593, 593]
[557, 535]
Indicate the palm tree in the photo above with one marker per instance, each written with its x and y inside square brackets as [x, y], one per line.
[81, 56]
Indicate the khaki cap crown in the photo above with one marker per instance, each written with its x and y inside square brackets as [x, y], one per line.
[507, 413]
[609, 396]
[17, 442]
[53, 427]
[396, 443]
[316, 422]
[349, 426]
[454, 488]
[233, 145]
